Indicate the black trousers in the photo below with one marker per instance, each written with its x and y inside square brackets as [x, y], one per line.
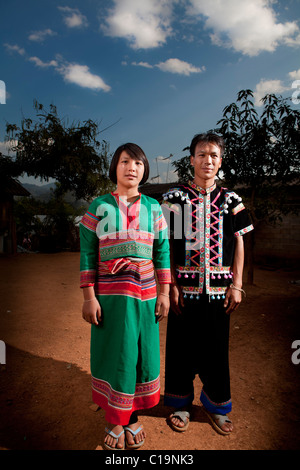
[197, 344]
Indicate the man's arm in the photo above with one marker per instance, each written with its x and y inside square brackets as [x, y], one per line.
[176, 297]
[234, 296]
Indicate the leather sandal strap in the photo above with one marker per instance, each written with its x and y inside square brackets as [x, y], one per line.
[183, 415]
[112, 434]
[134, 433]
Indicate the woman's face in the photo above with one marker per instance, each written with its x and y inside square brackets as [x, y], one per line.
[129, 172]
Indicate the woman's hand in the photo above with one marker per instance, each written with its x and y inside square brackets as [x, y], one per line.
[162, 306]
[91, 311]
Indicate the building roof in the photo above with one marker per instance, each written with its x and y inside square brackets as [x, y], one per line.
[12, 187]
[156, 190]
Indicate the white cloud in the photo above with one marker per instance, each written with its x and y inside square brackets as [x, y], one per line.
[295, 75]
[144, 23]
[143, 64]
[15, 48]
[249, 27]
[265, 87]
[39, 63]
[73, 18]
[173, 66]
[81, 75]
[178, 66]
[74, 73]
[39, 36]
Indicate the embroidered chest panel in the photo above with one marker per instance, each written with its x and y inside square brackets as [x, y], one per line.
[202, 224]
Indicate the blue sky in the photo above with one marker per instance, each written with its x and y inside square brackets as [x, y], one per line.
[162, 70]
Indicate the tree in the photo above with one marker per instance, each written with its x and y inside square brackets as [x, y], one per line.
[262, 157]
[72, 155]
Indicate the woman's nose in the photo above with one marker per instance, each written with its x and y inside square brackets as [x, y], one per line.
[131, 166]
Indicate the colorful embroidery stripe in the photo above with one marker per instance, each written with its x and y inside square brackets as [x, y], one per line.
[160, 224]
[121, 400]
[244, 230]
[90, 221]
[163, 276]
[136, 280]
[238, 208]
[127, 235]
[128, 248]
[87, 278]
[119, 407]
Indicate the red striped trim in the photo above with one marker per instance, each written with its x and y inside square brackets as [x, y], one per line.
[119, 406]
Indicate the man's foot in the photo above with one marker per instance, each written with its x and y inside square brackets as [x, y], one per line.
[135, 435]
[180, 420]
[114, 439]
[222, 424]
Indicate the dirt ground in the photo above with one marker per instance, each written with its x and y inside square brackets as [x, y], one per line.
[45, 395]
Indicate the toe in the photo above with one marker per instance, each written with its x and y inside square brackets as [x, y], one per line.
[177, 422]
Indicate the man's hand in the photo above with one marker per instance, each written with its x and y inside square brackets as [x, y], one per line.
[176, 299]
[232, 300]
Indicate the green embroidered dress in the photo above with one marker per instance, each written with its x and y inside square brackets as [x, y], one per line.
[120, 248]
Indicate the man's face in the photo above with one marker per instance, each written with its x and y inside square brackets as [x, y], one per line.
[206, 162]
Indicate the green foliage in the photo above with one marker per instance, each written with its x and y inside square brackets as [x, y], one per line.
[51, 224]
[183, 168]
[262, 156]
[262, 153]
[72, 155]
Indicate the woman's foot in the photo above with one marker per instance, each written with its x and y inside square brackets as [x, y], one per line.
[135, 435]
[115, 437]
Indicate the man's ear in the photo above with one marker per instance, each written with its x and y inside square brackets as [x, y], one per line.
[192, 160]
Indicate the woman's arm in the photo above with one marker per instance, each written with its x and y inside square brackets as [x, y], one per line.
[91, 310]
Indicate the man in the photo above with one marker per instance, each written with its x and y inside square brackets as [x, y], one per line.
[206, 226]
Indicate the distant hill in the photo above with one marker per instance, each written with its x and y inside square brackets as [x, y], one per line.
[40, 192]
[44, 193]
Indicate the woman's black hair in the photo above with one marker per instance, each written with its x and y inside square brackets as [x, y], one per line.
[135, 152]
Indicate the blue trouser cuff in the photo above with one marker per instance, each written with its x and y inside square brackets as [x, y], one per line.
[177, 401]
[217, 408]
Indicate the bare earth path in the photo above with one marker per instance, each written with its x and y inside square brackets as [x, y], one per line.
[45, 396]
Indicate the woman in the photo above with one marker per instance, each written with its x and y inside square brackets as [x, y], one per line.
[123, 238]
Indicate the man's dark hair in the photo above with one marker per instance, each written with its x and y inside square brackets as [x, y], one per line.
[135, 152]
[208, 137]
